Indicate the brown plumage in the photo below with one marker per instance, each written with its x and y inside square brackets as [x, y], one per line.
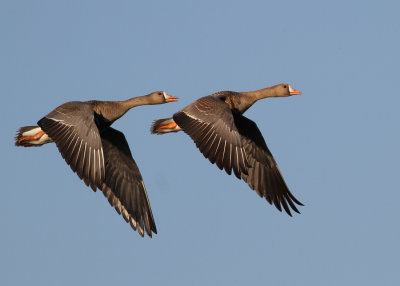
[234, 142]
[99, 154]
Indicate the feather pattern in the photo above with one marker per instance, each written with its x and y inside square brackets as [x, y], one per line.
[234, 142]
[264, 177]
[78, 140]
[123, 184]
[209, 122]
[99, 154]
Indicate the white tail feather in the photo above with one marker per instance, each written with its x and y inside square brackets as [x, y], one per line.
[28, 131]
[160, 122]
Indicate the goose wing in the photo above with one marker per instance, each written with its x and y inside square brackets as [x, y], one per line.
[209, 122]
[264, 175]
[72, 128]
[123, 184]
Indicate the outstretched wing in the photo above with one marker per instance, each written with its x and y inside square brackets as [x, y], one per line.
[123, 184]
[264, 176]
[72, 128]
[209, 122]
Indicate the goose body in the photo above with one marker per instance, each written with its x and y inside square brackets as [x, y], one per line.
[233, 142]
[98, 153]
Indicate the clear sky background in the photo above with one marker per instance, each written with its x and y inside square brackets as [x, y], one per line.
[337, 144]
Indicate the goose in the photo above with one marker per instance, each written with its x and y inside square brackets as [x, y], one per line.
[98, 153]
[233, 142]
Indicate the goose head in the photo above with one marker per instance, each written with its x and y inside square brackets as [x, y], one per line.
[160, 97]
[282, 90]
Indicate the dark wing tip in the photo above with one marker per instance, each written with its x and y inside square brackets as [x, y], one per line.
[124, 185]
[295, 200]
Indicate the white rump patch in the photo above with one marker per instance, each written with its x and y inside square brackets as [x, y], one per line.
[32, 132]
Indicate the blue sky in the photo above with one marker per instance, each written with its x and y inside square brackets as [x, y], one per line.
[337, 144]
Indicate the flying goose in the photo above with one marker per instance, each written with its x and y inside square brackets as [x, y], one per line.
[234, 142]
[99, 154]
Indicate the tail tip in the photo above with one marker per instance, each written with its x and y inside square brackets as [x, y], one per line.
[162, 126]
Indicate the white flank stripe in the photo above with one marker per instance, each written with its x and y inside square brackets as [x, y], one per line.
[195, 118]
[60, 120]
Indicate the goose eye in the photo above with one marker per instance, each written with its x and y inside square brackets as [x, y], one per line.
[284, 86]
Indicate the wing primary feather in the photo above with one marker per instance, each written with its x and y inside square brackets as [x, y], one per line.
[88, 166]
[204, 144]
[74, 155]
[285, 206]
[292, 205]
[228, 164]
[236, 166]
[78, 158]
[209, 149]
[133, 223]
[82, 163]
